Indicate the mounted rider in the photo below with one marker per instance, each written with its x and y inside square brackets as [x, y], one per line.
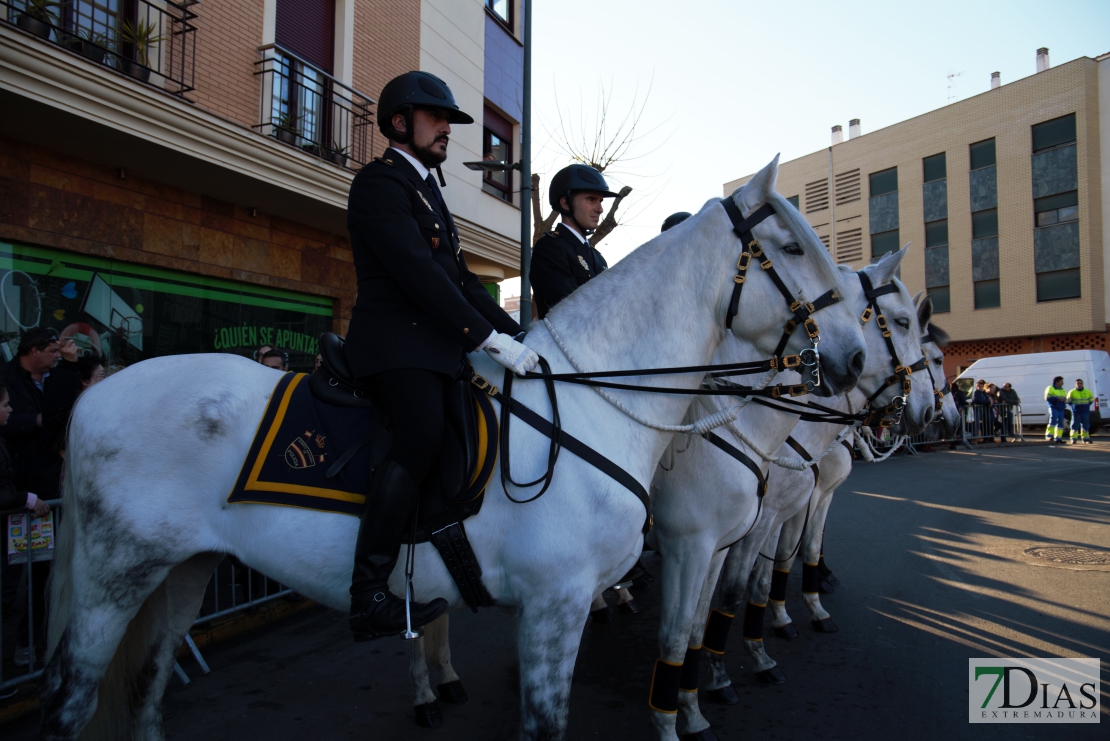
[563, 259]
[419, 311]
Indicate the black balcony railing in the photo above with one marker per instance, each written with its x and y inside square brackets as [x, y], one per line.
[307, 108]
[153, 42]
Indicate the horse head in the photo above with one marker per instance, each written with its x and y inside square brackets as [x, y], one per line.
[933, 341]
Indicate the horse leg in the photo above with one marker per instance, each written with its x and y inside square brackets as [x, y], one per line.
[425, 706]
[697, 727]
[759, 586]
[684, 577]
[439, 657]
[549, 633]
[811, 576]
[780, 574]
[599, 610]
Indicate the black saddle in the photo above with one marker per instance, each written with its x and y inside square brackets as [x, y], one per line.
[453, 490]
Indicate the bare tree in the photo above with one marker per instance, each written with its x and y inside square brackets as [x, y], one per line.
[602, 146]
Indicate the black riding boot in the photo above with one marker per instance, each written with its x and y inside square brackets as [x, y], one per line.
[375, 611]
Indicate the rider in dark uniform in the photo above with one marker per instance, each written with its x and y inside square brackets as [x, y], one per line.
[419, 310]
[564, 259]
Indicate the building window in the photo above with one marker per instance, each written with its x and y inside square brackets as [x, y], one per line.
[942, 303]
[935, 167]
[884, 242]
[793, 201]
[982, 154]
[1058, 284]
[987, 294]
[936, 233]
[984, 224]
[1054, 133]
[503, 9]
[497, 146]
[884, 182]
[301, 92]
[1056, 209]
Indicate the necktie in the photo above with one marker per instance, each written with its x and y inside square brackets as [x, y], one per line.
[431, 181]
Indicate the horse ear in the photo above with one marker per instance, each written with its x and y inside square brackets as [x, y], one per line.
[883, 271]
[756, 191]
[924, 310]
[917, 298]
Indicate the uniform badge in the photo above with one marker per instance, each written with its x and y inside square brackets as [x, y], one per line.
[299, 455]
[582, 262]
[425, 201]
[320, 441]
[435, 242]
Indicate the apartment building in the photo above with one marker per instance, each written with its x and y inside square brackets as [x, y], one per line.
[1002, 196]
[174, 173]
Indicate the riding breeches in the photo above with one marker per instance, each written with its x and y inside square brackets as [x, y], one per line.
[413, 400]
[1055, 427]
[1080, 422]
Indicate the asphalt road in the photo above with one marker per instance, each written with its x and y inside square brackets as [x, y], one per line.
[930, 554]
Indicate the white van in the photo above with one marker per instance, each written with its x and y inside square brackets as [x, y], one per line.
[1031, 374]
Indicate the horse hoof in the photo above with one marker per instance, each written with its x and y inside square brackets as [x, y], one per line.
[629, 607]
[604, 615]
[824, 626]
[428, 715]
[705, 734]
[773, 675]
[452, 692]
[723, 696]
[831, 579]
[787, 632]
[825, 587]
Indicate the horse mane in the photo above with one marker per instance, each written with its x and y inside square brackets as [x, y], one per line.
[938, 336]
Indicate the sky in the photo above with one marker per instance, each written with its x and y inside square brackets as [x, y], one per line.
[725, 89]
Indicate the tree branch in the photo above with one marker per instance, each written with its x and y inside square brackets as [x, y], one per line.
[540, 223]
[609, 223]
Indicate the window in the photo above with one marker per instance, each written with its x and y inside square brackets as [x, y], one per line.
[1059, 284]
[984, 224]
[1056, 209]
[305, 32]
[883, 243]
[497, 145]
[503, 9]
[987, 294]
[884, 182]
[936, 233]
[1054, 133]
[982, 154]
[936, 167]
[793, 201]
[942, 303]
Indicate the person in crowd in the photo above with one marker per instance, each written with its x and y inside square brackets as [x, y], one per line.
[1007, 400]
[274, 358]
[1056, 398]
[982, 407]
[674, 220]
[91, 367]
[419, 311]
[1080, 400]
[261, 352]
[564, 259]
[958, 395]
[317, 362]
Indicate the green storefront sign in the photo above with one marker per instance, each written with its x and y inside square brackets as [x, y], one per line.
[132, 312]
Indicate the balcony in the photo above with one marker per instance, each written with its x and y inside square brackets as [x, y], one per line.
[152, 42]
[308, 109]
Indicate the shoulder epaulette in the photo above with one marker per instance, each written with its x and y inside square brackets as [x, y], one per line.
[551, 234]
[384, 161]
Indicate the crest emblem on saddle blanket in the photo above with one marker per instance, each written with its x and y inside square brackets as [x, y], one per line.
[299, 454]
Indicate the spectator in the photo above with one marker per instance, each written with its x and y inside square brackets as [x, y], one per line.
[276, 359]
[91, 368]
[996, 420]
[318, 362]
[981, 406]
[1057, 400]
[261, 352]
[958, 396]
[1008, 399]
[1080, 400]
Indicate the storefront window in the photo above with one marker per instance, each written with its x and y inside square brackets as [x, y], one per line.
[133, 312]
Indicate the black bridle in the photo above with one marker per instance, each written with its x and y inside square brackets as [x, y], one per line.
[892, 414]
[938, 394]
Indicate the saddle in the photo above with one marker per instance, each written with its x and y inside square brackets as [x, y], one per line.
[454, 488]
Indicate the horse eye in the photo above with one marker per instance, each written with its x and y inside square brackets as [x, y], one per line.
[903, 323]
[793, 249]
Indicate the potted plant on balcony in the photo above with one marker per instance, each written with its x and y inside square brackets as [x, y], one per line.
[287, 128]
[338, 155]
[89, 44]
[36, 17]
[143, 37]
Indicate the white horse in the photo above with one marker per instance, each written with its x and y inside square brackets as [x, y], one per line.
[801, 535]
[155, 450]
[708, 501]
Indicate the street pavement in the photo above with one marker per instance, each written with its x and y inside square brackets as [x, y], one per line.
[930, 552]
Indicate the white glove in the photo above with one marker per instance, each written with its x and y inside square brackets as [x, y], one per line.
[511, 354]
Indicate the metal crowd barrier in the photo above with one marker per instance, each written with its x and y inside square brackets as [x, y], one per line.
[233, 588]
[977, 422]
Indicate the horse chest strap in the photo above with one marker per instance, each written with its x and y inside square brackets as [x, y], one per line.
[740, 456]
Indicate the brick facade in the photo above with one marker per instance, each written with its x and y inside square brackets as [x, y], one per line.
[229, 33]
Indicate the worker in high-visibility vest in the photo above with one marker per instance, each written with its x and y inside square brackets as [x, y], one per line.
[1080, 400]
[1057, 400]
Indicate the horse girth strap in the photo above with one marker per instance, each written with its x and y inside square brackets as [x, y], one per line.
[560, 439]
[797, 446]
[741, 456]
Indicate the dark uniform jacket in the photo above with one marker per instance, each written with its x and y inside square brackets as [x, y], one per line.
[560, 263]
[34, 450]
[11, 496]
[418, 305]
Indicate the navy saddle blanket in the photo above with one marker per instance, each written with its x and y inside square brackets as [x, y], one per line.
[298, 440]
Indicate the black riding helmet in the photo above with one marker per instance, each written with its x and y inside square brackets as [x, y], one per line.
[674, 220]
[573, 179]
[412, 89]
